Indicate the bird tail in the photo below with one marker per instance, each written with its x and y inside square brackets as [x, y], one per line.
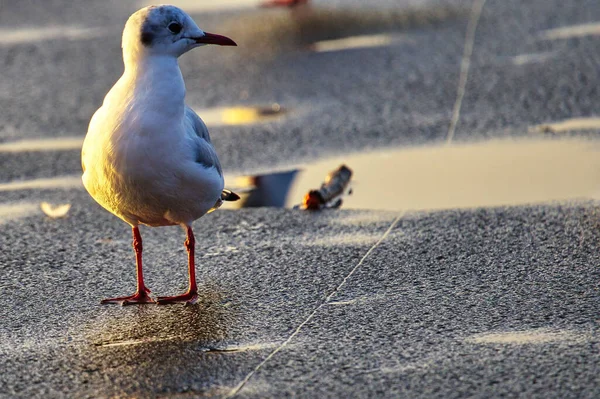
[228, 195]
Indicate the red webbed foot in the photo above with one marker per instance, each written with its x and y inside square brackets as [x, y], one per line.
[189, 298]
[140, 297]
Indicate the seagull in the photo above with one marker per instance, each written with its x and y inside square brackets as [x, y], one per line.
[147, 157]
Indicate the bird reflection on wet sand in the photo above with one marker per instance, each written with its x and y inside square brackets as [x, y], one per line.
[162, 348]
[206, 322]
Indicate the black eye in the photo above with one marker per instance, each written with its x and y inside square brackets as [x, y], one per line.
[174, 27]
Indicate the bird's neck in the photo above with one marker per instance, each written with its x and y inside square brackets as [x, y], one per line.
[157, 83]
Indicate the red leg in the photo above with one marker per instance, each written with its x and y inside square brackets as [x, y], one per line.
[191, 296]
[141, 294]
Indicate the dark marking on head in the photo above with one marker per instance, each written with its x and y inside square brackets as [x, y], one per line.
[147, 38]
[156, 21]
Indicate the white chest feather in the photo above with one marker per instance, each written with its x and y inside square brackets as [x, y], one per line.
[139, 160]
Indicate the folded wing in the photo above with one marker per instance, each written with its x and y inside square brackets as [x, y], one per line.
[205, 153]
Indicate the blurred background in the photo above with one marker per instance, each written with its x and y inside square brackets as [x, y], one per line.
[417, 97]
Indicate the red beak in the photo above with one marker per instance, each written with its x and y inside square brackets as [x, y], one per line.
[211, 38]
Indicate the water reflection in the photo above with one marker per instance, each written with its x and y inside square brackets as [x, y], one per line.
[495, 173]
[269, 190]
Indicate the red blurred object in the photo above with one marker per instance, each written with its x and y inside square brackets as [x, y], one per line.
[283, 3]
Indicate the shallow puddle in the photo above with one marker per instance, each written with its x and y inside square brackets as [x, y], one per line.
[493, 173]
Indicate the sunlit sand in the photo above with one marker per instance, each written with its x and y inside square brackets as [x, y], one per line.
[568, 125]
[29, 35]
[568, 32]
[356, 42]
[526, 337]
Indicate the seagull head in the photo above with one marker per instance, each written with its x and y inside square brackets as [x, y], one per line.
[165, 30]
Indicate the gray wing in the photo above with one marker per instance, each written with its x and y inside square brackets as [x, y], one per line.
[205, 152]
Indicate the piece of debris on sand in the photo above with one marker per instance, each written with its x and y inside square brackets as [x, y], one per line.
[331, 191]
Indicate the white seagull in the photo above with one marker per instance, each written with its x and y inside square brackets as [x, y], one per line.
[147, 157]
